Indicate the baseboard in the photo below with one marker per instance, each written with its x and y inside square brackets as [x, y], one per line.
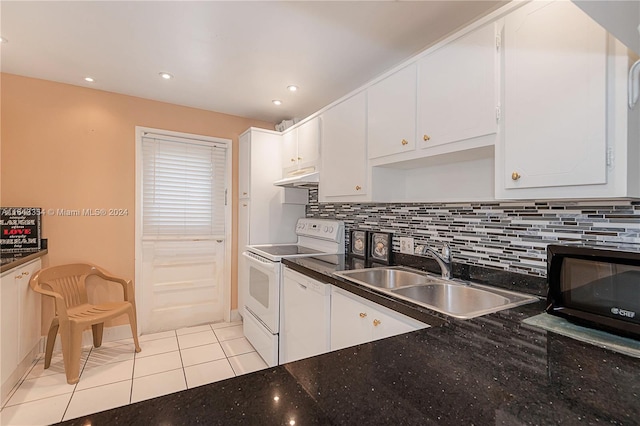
[235, 315]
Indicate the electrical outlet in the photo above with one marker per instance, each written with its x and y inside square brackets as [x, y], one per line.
[406, 245]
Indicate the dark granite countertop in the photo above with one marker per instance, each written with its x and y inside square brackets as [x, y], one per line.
[13, 260]
[487, 370]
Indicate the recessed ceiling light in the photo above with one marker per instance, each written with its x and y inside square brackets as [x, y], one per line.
[166, 75]
[89, 79]
[292, 88]
[3, 40]
[276, 102]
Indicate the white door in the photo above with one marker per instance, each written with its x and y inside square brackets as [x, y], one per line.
[183, 258]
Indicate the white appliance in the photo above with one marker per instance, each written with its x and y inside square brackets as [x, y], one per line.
[264, 279]
[305, 317]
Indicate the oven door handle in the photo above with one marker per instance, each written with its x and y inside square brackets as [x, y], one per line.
[266, 264]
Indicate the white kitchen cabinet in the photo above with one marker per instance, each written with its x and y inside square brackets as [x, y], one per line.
[301, 146]
[567, 132]
[344, 161]
[458, 90]
[244, 176]
[305, 314]
[20, 326]
[355, 320]
[391, 114]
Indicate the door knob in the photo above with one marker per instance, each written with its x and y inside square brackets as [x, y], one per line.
[515, 176]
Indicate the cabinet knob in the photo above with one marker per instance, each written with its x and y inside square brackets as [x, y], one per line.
[299, 158]
[25, 273]
[293, 160]
[404, 142]
[244, 204]
[358, 187]
[376, 322]
[426, 137]
[363, 315]
[18, 277]
[515, 175]
[244, 193]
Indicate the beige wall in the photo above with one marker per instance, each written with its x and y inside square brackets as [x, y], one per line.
[70, 147]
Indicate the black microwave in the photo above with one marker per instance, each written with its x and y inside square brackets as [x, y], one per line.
[595, 286]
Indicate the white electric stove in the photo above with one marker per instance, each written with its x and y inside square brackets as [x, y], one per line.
[261, 322]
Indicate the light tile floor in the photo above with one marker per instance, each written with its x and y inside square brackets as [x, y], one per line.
[114, 375]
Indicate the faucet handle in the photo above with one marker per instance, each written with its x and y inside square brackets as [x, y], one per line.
[446, 251]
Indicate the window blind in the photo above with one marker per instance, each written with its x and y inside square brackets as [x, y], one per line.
[183, 187]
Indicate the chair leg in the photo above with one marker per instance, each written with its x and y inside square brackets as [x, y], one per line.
[71, 349]
[97, 334]
[51, 341]
[134, 327]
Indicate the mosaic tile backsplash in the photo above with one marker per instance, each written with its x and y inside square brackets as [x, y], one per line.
[508, 235]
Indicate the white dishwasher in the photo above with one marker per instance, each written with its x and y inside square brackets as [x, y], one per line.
[305, 317]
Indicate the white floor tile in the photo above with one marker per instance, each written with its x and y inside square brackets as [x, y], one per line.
[247, 363]
[160, 346]
[228, 333]
[237, 347]
[99, 399]
[209, 372]
[157, 385]
[197, 339]
[191, 330]
[41, 412]
[157, 364]
[40, 388]
[217, 325]
[98, 375]
[56, 367]
[201, 354]
[156, 336]
[110, 352]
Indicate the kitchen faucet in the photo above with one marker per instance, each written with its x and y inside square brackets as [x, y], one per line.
[444, 259]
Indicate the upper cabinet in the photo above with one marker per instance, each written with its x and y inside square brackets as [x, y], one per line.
[301, 146]
[458, 90]
[391, 114]
[564, 106]
[344, 165]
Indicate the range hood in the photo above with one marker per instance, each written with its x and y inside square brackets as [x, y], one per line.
[305, 178]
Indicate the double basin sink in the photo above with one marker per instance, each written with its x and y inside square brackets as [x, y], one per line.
[459, 299]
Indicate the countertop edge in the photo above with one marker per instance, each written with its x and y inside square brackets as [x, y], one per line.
[22, 260]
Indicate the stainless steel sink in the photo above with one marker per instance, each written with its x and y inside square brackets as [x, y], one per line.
[387, 278]
[455, 298]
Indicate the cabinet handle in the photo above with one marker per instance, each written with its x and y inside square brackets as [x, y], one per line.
[363, 315]
[376, 322]
[404, 142]
[358, 187]
[515, 176]
[426, 138]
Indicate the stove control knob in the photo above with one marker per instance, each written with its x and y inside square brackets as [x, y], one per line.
[331, 229]
[326, 229]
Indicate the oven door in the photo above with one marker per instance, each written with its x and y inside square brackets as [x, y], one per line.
[262, 294]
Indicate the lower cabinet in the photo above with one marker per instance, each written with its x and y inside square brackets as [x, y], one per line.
[19, 324]
[355, 320]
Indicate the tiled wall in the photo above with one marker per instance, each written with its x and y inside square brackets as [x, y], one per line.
[508, 235]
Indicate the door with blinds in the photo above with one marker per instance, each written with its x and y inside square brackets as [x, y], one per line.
[183, 231]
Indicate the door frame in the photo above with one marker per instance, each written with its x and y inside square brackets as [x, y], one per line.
[226, 284]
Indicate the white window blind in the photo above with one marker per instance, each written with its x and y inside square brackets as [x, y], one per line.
[183, 187]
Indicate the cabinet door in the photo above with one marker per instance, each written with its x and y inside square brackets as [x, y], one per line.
[243, 241]
[30, 310]
[555, 97]
[244, 166]
[388, 323]
[391, 114]
[9, 323]
[457, 90]
[309, 142]
[343, 149]
[290, 150]
[350, 320]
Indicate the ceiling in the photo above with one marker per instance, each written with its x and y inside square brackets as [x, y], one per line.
[233, 57]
